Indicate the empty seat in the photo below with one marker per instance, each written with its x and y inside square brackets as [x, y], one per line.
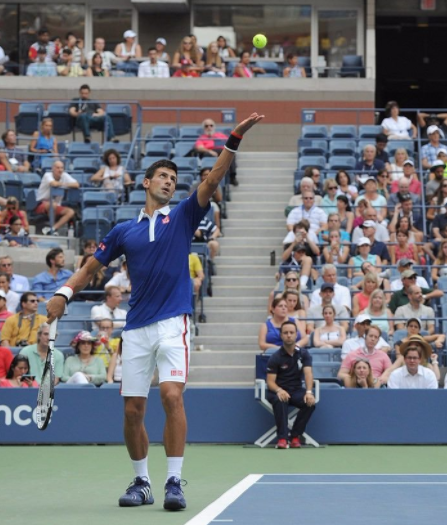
[137, 197]
[178, 196]
[148, 161]
[407, 145]
[312, 162]
[305, 62]
[98, 198]
[342, 147]
[139, 181]
[163, 133]
[314, 132]
[268, 67]
[342, 163]
[95, 225]
[30, 180]
[266, 75]
[86, 164]
[186, 163]
[82, 177]
[123, 148]
[80, 148]
[28, 118]
[352, 66]
[126, 213]
[184, 148]
[103, 212]
[315, 147]
[369, 132]
[47, 163]
[158, 149]
[343, 132]
[121, 115]
[62, 120]
[190, 132]
[208, 162]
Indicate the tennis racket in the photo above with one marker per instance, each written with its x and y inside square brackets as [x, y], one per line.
[45, 397]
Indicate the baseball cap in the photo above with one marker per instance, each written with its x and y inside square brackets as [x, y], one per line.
[432, 129]
[436, 164]
[404, 262]
[161, 41]
[407, 273]
[414, 319]
[361, 318]
[185, 62]
[442, 150]
[129, 34]
[364, 240]
[369, 224]
[327, 286]
[365, 180]
[409, 161]
[2, 294]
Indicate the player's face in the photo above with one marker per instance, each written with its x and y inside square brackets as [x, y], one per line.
[162, 185]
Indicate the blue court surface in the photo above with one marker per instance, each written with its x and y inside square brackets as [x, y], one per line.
[331, 499]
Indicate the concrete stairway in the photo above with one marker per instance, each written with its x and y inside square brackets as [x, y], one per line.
[255, 227]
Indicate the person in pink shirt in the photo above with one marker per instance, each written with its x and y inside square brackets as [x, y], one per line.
[16, 376]
[409, 173]
[6, 358]
[380, 362]
[4, 312]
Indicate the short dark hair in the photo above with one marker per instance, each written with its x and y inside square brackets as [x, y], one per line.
[163, 163]
[381, 137]
[203, 171]
[24, 297]
[107, 154]
[243, 53]
[286, 323]
[8, 277]
[344, 199]
[151, 48]
[5, 135]
[52, 254]
[14, 219]
[291, 55]
[42, 31]
[67, 51]
[84, 86]
[68, 35]
[19, 358]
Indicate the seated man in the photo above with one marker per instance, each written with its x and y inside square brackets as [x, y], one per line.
[333, 222]
[361, 324]
[67, 66]
[369, 164]
[56, 178]
[436, 178]
[46, 283]
[316, 216]
[153, 68]
[301, 234]
[414, 185]
[400, 297]
[402, 265]
[42, 67]
[292, 69]
[121, 279]
[306, 184]
[17, 159]
[208, 232]
[300, 262]
[342, 295]
[287, 369]
[315, 313]
[377, 247]
[403, 189]
[21, 329]
[415, 308]
[382, 234]
[413, 374]
[109, 308]
[17, 283]
[108, 58]
[43, 42]
[90, 115]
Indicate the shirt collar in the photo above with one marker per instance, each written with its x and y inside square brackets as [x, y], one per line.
[143, 215]
[418, 373]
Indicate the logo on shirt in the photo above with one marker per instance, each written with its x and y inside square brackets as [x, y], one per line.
[284, 367]
[102, 246]
[178, 373]
[166, 220]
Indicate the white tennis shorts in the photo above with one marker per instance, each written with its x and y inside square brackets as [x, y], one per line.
[165, 345]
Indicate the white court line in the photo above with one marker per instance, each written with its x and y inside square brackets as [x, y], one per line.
[349, 474]
[351, 483]
[217, 507]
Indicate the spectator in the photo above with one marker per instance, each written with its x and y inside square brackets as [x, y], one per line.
[121, 279]
[401, 297]
[12, 298]
[93, 291]
[403, 249]
[75, 48]
[378, 248]
[90, 115]
[438, 201]
[43, 43]
[225, 50]
[316, 216]
[196, 271]
[415, 309]
[21, 328]
[369, 164]
[435, 179]
[243, 68]
[402, 191]
[360, 375]
[115, 370]
[13, 210]
[291, 283]
[287, 369]
[370, 214]
[16, 235]
[382, 183]
[342, 296]
[405, 209]
[330, 334]
[4, 312]
[67, 66]
[186, 70]
[360, 209]
[97, 67]
[335, 252]
[334, 223]
[404, 223]
[380, 363]
[299, 262]
[205, 145]
[84, 367]
[329, 202]
[396, 127]
[108, 58]
[301, 234]
[3, 60]
[439, 268]
[439, 225]
[187, 51]
[306, 184]
[430, 151]
[17, 283]
[17, 376]
[361, 324]
[42, 67]
[200, 50]
[430, 119]
[315, 175]
[46, 283]
[43, 143]
[160, 45]
[363, 254]
[108, 344]
[295, 308]
[409, 174]
[112, 176]
[379, 313]
[315, 313]
[442, 155]
[292, 69]
[403, 265]
[154, 67]
[413, 374]
[6, 358]
[216, 198]
[361, 300]
[397, 167]
[17, 160]
[208, 232]
[56, 178]
[214, 65]
[366, 268]
[345, 187]
[414, 327]
[109, 309]
[270, 331]
[381, 152]
[345, 214]
[128, 50]
[37, 354]
[374, 199]
[89, 248]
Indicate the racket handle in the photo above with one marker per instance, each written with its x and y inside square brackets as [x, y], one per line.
[53, 330]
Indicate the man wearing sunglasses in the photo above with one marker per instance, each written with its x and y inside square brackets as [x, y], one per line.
[401, 297]
[18, 283]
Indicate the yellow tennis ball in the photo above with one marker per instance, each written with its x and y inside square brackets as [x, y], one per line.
[259, 41]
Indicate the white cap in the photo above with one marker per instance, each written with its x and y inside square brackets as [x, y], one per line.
[129, 34]
[409, 161]
[161, 41]
[361, 318]
[369, 224]
[363, 240]
[432, 129]
[442, 150]
[2, 294]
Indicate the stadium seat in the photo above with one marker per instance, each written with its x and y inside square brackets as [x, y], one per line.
[158, 149]
[343, 132]
[13, 185]
[184, 148]
[178, 196]
[352, 66]
[121, 115]
[76, 149]
[407, 145]
[342, 147]
[98, 198]
[185, 178]
[230, 67]
[325, 354]
[189, 164]
[369, 132]
[342, 163]
[76, 385]
[266, 75]
[28, 118]
[126, 213]
[269, 67]
[95, 224]
[123, 148]
[163, 133]
[137, 197]
[83, 178]
[208, 162]
[314, 132]
[99, 212]
[30, 180]
[80, 309]
[86, 164]
[190, 133]
[315, 147]
[62, 121]
[148, 161]
[305, 62]
[139, 181]
[312, 162]
[47, 163]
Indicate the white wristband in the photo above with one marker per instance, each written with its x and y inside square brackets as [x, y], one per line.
[309, 392]
[65, 291]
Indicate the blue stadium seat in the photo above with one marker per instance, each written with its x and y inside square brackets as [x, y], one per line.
[269, 67]
[13, 185]
[315, 147]
[98, 198]
[178, 196]
[184, 148]
[94, 227]
[163, 133]
[126, 213]
[343, 132]
[305, 62]
[267, 75]
[137, 197]
[123, 148]
[62, 121]
[208, 162]
[342, 163]
[314, 132]
[47, 163]
[76, 149]
[77, 385]
[121, 115]
[148, 161]
[311, 161]
[30, 180]
[342, 147]
[407, 145]
[28, 118]
[86, 164]
[83, 178]
[190, 133]
[230, 67]
[99, 212]
[158, 149]
[185, 178]
[352, 66]
[325, 354]
[139, 182]
[80, 309]
[189, 164]
[369, 132]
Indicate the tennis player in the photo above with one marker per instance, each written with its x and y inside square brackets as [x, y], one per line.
[156, 246]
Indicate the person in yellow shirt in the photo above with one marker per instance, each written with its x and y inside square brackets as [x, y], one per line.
[108, 344]
[196, 271]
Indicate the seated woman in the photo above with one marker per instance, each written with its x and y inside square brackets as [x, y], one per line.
[404, 224]
[380, 315]
[439, 268]
[13, 210]
[360, 208]
[97, 69]
[397, 167]
[269, 332]
[112, 176]
[414, 327]
[295, 309]
[43, 143]
[89, 248]
[403, 249]
[214, 63]
[187, 50]
[439, 199]
[243, 68]
[17, 236]
[335, 252]
[367, 267]
[97, 284]
[330, 335]
[16, 377]
[383, 187]
[362, 255]
[126, 51]
[360, 375]
[329, 201]
[225, 50]
[396, 127]
[291, 282]
[84, 367]
[361, 300]
[345, 187]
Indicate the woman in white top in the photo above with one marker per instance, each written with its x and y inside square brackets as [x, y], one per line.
[330, 335]
[225, 50]
[112, 176]
[379, 313]
[336, 252]
[397, 167]
[128, 50]
[396, 127]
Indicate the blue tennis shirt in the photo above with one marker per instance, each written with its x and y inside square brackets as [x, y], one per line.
[156, 251]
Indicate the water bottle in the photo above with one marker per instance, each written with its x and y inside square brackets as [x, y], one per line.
[273, 258]
[70, 233]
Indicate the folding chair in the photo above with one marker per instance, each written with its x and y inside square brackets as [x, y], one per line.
[260, 387]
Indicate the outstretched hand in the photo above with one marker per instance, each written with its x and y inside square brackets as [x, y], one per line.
[248, 123]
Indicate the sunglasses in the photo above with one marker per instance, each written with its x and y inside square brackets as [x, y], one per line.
[209, 126]
[308, 198]
[6, 264]
[332, 187]
[291, 279]
[33, 300]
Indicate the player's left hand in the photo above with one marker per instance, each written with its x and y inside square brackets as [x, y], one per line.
[248, 123]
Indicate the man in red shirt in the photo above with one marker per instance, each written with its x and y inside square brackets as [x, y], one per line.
[185, 70]
[6, 358]
[410, 175]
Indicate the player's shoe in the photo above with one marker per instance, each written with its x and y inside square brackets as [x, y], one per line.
[138, 493]
[282, 443]
[174, 499]
[295, 443]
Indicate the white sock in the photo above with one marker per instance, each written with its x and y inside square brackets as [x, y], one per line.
[303, 281]
[140, 468]
[175, 467]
